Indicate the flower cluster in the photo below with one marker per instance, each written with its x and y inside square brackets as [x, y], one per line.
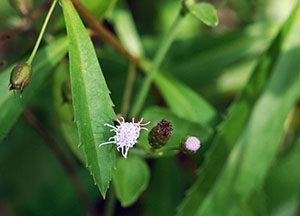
[126, 136]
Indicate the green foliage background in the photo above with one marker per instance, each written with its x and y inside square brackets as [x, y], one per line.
[235, 86]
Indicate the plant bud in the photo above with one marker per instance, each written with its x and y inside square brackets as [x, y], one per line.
[190, 145]
[23, 7]
[160, 134]
[20, 77]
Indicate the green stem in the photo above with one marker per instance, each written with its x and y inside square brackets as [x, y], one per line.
[128, 89]
[160, 54]
[29, 61]
[167, 148]
[140, 152]
[111, 202]
[154, 153]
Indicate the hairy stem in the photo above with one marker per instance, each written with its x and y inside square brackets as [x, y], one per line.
[128, 89]
[29, 61]
[66, 164]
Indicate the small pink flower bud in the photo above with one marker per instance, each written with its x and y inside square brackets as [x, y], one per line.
[190, 145]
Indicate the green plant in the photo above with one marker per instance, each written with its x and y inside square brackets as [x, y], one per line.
[231, 85]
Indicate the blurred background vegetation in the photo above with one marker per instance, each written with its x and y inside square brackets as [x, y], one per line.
[214, 62]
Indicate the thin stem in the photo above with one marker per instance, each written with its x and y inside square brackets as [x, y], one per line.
[66, 164]
[160, 54]
[128, 89]
[29, 61]
[140, 152]
[155, 153]
[168, 148]
[111, 202]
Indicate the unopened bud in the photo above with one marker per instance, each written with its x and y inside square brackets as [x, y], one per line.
[22, 6]
[20, 77]
[189, 145]
[160, 134]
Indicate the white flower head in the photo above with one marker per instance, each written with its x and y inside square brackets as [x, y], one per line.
[192, 143]
[126, 136]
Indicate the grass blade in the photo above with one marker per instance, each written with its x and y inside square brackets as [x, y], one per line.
[253, 154]
[232, 127]
[256, 148]
[204, 12]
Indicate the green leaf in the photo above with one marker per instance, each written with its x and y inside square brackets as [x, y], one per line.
[281, 190]
[197, 56]
[257, 146]
[99, 8]
[203, 11]
[91, 101]
[255, 205]
[126, 30]
[44, 62]
[130, 178]
[186, 103]
[282, 184]
[65, 112]
[129, 36]
[183, 101]
[238, 115]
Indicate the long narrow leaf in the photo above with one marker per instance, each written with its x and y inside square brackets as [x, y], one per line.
[255, 150]
[238, 116]
[250, 159]
[91, 100]
[282, 184]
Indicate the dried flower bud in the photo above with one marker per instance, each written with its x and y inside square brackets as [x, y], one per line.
[22, 6]
[20, 77]
[160, 134]
[189, 145]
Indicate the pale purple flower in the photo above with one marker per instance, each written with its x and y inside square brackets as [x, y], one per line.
[126, 136]
[192, 143]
